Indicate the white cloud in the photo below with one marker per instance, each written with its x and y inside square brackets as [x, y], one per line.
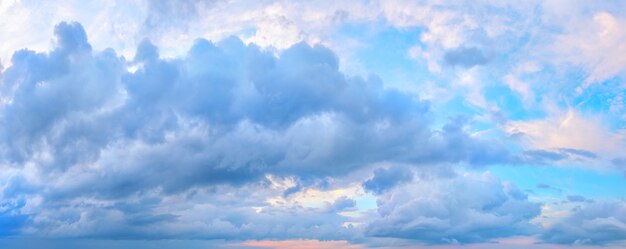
[458, 209]
[598, 222]
[571, 129]
[595, 44]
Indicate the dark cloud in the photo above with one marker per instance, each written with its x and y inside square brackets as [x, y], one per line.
[465, 57]
[385, 179]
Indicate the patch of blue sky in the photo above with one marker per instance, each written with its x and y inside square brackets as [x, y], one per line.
[385, 53]
[366, 202]
[459, 106]
[605, 99]
[510, 104]
[564, 181]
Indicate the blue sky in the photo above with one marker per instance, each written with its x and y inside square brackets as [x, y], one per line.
[312, 124]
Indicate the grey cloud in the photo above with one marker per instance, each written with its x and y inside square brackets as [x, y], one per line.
[599, 222]
[546, 157]
[341, 204]
[163, 15]
[70, 38]
[227, 113]
[546, 186]
[620, 163]
[582, 153]
[577, 198]
[543, 156]
[57, 243]
[465, 57]
[224, 213]
[385, 179]
[463, 209]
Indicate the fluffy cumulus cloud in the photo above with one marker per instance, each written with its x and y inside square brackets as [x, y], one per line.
[370, 122]
[598, 222]
[459, 209]
[385, 179]
[98, 145]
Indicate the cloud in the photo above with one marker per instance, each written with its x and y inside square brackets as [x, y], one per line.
[342, 204]
[167, 15]
[591, 44]
[104, 145]
[465, 57]
[599, 222]
[463, 209]
[56, 243]
[385, 179]
[546, 186]
[542, 185]
[12, 199]
[231, 213]
[542, 156]
[297, 111]
[576, 198]
[583, 153]
[92, 127]
[570, 134]
[96, 144]
[620, 163]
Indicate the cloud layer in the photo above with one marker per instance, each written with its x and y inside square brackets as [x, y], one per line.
[264, 136]
[94, 128]
[460, 209]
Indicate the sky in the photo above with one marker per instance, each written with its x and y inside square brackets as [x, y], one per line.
[392, 124]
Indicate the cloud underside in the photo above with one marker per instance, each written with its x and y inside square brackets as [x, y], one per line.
[98, 145]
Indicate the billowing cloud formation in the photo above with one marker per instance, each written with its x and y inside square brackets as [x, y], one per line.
[226, 112]
[214, 213]
[111, 145]
[385, 179]
[598, 222]
[461, 209]
[225, 141]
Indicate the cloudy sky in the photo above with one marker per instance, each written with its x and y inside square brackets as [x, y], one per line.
[312, 124]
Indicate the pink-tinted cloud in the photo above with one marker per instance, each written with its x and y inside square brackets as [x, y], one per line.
[521, 242]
